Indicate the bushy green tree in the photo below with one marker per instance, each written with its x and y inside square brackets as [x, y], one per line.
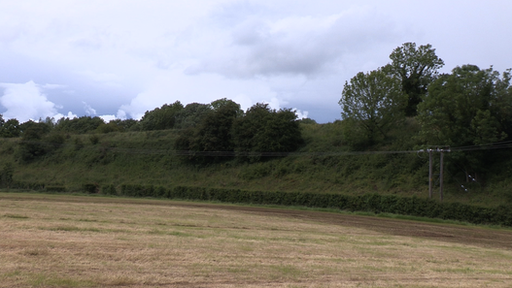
[121, 125]
[32, 145]
[10, 128]
[416, 68]
[468, 107]
[211, 140]
[372, 103]
[161, 118]
[6, 175]
[265, 131]
[80, 125]
[34, 130]
[108, 127]
[192, 115]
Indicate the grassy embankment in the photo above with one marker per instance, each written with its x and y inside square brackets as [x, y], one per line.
[148, 158]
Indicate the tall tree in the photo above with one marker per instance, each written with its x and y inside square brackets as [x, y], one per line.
[468, 107]
[81, 125]
[161, 118]
[9, 128]
[192, 115]
[266, 130]
[211, 140]
[416, 68]
[372, 103]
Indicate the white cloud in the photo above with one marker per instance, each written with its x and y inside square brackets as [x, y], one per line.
[108, 118]
[25, 101]
[70, 115]
[89, 110]
[301, 114]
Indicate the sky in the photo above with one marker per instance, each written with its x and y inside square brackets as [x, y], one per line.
[117, 59]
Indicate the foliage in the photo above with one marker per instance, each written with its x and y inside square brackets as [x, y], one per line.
[192, 115]
[91, 188]
[416, 68]
[54, 140]
[468, 107]
[371, 202]
[372, 104]
[109, 190]
[81, 125]
[33, 144]
[108, 128]
[55, 188]
[6, 175]
[307, 121]
[211, 140]
[224, 102]
[10, 128]
[264, 131]
[161, 118]
[125, 125]
[31, 129]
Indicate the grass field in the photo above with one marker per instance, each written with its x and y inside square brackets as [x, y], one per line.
[74, 241]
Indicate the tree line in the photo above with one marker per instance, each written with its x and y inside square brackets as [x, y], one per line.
[207, 133]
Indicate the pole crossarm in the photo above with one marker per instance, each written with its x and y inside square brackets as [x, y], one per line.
[441, 150]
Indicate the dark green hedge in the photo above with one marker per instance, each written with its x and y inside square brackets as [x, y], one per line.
[91, 188]
[28, 185]
[55, 188]
[413, 206]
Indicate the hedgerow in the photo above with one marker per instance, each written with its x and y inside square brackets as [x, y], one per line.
[413, 206]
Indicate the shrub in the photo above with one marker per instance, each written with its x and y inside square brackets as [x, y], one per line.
[109, 190]
[94, 139]
[91, 188]
[55, 188]
[6, 175]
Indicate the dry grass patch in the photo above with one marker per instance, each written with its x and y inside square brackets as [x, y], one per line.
[83, 244]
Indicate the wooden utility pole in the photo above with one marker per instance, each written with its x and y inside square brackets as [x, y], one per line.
[430, 174]
[441, 176]
[430, 167]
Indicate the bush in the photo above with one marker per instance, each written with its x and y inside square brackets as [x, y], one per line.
[265, 132]
[55, 188]
[94, 139]
[6, 175]
[91, 188]
[109, 190]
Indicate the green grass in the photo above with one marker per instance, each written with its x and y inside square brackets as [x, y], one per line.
[147, 158]
[98, 198]
[15, 216]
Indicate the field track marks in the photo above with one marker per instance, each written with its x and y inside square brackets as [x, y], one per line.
[471, 235]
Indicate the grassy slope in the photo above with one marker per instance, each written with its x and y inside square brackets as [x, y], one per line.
[147, 158]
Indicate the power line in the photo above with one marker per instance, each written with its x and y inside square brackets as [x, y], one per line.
[488, 146]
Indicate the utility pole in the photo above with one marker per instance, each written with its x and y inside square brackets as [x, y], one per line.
[430, 173]
[430, 167]
[441, 176]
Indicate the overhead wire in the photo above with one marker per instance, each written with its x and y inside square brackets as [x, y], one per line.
[488, 146]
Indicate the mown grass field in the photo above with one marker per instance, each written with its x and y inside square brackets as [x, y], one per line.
[75, 241]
